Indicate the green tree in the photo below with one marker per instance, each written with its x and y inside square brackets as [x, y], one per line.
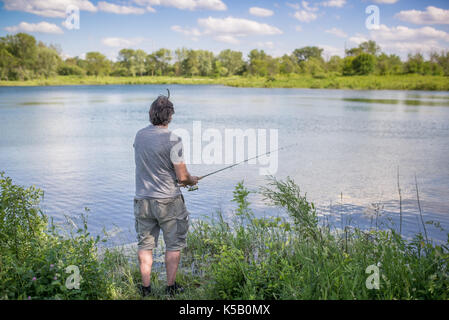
[127, 59]
[432, 68]
[287, 64]
[364, 64]
[442, 60]
[258, 63]
[388, 64]
[414, 63]
[335, 64]
[205, 62]
[353, 52]
[47, 61]
[190, 65]
[139, 60]
[7, 65]
[347, 67]
[218, 70]
[312, 66]
[436, 65]
[232, 61]
[97, 64]
[66, 69]
[369, 47]
[305, 53]
[180, 55]
[24, 49]
[162, 60]
[23, 46]
[150, 64]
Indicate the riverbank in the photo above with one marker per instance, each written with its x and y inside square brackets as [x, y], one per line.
[243, 257]
[396, 82]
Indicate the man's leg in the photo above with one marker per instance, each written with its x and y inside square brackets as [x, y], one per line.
[145, 263]
[171, 263]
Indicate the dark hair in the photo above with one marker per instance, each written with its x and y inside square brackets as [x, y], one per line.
[161, 111]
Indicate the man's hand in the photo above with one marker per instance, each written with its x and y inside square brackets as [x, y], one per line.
[184, 177]
[194, 180]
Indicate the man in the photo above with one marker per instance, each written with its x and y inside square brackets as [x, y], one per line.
[158, 203]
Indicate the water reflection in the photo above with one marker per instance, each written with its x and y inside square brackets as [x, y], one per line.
[407, 102]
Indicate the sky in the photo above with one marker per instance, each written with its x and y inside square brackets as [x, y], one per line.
[277, 27]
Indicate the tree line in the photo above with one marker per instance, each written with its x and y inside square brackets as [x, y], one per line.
[23, 58]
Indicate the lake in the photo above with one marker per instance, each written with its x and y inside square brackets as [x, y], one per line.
[75, 143]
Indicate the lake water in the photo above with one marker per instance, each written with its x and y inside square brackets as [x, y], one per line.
[75, 142]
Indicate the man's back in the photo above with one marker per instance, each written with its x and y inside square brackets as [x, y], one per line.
[155, 173]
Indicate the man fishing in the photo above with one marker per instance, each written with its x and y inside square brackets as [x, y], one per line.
[158, 203]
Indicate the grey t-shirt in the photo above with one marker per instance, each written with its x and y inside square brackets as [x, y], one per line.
[155, 151]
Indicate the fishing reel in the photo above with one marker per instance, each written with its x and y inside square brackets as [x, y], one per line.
[192, 188]
[189, 188]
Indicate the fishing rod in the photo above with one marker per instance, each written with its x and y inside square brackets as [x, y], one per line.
[193, 188]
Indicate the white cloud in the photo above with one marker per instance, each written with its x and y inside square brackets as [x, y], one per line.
[48, 8]
[432, 15]
[121, 42]
[41, 27]
[226, 38]
[295, 6]
[306, 6]
[401, 33]
[305, 16]
[150, 9]
[188, 32]
[216, 5]
[385, 1]
[334, 3]
[260, 12]
[358, 38]
[402, 39]
[337, 32]
[236, 26]
[227, 30]
[193, 33]
[114, 8]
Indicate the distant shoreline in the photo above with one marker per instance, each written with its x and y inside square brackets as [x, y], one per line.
[371, 82]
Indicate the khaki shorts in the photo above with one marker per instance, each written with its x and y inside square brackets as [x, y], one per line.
[169, 214]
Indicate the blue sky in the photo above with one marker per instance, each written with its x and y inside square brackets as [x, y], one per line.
[278, 27]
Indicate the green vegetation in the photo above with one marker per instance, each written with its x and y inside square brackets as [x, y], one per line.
[246, 258]
[23, 61]
[373, 82]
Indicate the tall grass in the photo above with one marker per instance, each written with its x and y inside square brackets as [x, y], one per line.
[296, 258]
[325, 81]
[244, 257]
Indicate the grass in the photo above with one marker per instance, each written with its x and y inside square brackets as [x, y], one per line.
[372, 82]
[244, 257]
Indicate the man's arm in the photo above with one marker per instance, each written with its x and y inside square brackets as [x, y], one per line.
[184, 177]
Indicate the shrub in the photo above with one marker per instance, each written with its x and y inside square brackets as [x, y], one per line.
[35, 254]
[66, 69]
[296, 258]
[364, 64]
